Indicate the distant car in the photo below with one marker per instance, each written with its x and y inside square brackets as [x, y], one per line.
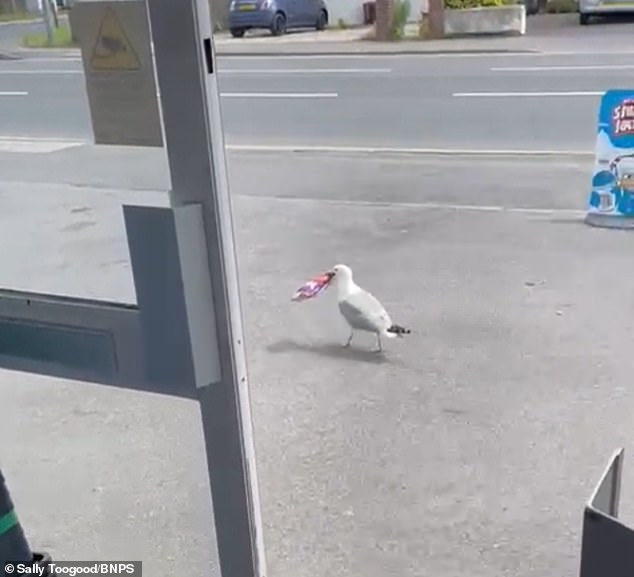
[278, 16]
[590, 8]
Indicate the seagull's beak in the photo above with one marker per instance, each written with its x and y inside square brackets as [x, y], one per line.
[329, 275]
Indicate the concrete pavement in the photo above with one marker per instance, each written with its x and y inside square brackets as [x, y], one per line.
[500, 102]
[400, 179]
[11, 33]
[469, 448]
[544, 33]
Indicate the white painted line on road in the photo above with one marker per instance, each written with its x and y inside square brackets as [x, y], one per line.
[572, 212]
[267, 71]
[562, 68]
[422, 55]
[43, 142]
[17, 137]
[279, 94]
[250, 71]
[58, 143]
[525, 94]
[36, 72]
[404, 150]
[352, 56]
[24, 144]
[374, 57]
[13, 93]
[52, 59]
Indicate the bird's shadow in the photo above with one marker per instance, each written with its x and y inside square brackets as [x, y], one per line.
[331, 350]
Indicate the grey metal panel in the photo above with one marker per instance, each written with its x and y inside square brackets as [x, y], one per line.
[144, 347]
[607, 548]
[607, 493]
[158, 281]
[70, 338]
[158, 332]
[77, 348]
[185, 67]
[198, 294]
[94, 341]
[120, 83]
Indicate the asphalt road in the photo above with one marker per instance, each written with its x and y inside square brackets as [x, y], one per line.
[485, 102]
[469, 448]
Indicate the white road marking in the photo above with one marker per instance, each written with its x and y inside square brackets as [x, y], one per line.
[13, 93]
[351, 56]
[562, 68]
[36, 144]
[53, 59]
[35, 72]
[526, 94]
[424, 55]
[404, 150]
[42, 143]
[232, 71]
[267, 71]
[571, 212]
[279, 94]
[75, 55]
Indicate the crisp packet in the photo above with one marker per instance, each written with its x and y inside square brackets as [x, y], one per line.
[311, 288]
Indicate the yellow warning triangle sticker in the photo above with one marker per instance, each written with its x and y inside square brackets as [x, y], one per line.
[113, 50]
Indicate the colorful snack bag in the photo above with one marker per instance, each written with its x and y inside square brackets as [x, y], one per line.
[311, 288]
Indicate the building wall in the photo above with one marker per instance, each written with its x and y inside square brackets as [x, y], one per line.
[219, 14]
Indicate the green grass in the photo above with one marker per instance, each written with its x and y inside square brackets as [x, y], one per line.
[399, 20]
[14, 16]
[61, 39]
[461, 4]
[561, 6]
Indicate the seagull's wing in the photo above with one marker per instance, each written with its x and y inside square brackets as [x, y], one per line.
[364, 312]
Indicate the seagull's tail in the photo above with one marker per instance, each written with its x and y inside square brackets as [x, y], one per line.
[398, 330]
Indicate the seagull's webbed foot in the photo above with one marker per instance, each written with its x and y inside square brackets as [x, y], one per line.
[347, 343]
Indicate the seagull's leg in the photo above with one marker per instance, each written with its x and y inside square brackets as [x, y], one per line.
[378, 343]
[349, 339]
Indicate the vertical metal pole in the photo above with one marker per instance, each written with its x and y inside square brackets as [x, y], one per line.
[185, 64]
[46, 13]
[53, 6]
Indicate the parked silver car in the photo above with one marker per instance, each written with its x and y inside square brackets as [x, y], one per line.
[590, 8]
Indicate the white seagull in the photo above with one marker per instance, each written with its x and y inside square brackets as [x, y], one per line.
[361, 310]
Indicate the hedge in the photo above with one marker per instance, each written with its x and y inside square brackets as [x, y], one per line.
[461, 4]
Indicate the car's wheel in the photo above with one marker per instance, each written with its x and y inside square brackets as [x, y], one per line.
[238, 32]
[322, 20]
[278, 26]
[584, 19]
